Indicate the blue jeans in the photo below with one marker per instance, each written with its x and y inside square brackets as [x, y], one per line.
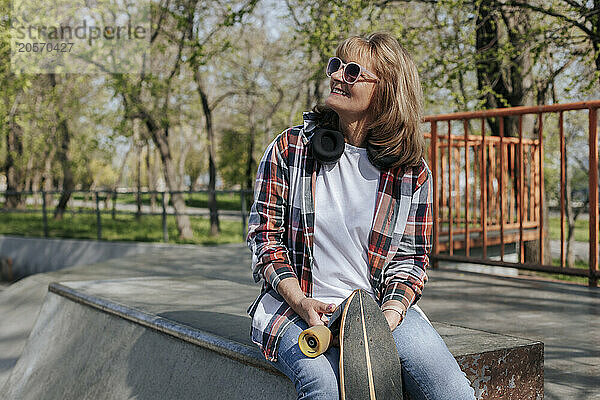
[429, 371]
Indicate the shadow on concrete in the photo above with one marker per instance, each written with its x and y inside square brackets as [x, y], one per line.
[571, 352]
[578, 384]
[7, 363]
[521, 282]
[563, 316]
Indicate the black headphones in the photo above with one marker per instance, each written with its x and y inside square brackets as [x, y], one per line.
[328, 146]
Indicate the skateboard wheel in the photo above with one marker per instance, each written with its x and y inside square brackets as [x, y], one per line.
[315, 341]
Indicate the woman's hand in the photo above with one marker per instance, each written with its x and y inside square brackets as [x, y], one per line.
[393, 318]
[311, 311]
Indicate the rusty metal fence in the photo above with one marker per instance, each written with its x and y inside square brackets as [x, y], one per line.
[489, 186]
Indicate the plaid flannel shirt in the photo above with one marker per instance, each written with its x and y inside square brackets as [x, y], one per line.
[281, 232]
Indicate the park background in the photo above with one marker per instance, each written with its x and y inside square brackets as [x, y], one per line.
[169, 152]
[91, 156]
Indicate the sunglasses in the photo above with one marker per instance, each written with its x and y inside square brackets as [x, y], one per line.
[351, 71]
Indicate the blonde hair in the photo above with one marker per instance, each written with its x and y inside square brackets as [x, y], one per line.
[397, 104]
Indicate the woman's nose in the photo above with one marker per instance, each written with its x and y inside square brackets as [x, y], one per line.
[338, 75]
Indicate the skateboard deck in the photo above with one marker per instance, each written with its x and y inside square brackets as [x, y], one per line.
[369, 364]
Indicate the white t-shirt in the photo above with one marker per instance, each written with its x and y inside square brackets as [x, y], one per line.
[345, 196]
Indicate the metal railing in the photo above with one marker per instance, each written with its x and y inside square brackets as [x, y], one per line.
[489, 190]
[100, 200]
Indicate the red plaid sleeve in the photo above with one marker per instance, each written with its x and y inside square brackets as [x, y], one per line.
[267, 220]
[406, 276]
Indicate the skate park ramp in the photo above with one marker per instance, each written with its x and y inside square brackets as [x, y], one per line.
[21, 302]
[172, 325]
[87, 347]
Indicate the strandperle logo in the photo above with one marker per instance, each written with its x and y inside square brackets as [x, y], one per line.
[80, 31]
[70, 36]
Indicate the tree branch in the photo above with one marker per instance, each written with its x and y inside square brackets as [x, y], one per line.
[221, 98]
[385, 3]
[551, 13]
[292, 13]
[574, 4]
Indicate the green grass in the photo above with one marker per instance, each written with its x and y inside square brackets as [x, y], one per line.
[582, 230]
[147, 228]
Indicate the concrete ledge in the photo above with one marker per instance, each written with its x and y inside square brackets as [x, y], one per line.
[228, 348]
[189, 338]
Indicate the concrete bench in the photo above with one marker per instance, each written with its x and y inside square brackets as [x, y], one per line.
[176, 338]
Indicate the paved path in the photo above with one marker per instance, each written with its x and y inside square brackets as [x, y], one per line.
[563, 316]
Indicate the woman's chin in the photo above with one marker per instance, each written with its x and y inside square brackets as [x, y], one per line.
[333, 101]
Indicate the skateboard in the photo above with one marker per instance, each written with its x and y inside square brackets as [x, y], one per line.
[369, 364]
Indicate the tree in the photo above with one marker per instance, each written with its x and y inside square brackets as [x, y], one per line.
[574, 18]
[63, 143]
[258, 81]
[204, 44]
[11, 132]
[320, 25]
[194, 165]
[148, 97]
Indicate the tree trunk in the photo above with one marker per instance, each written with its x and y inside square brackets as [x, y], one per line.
[309, 100]
[212, 168]
[14, 146]
[14, 153]
[159, 134]
[508, 83]
[35, 186]
[594, 18]
[29, 175]
[68, 183]
[47, 175]
[250, 170]
[570, 218]
[138, 196]
[64, 140]
[291, 119]
[532, 248]
[160, 140]
[150, 177]
[250, 164]
[117, 182]
[184, 147]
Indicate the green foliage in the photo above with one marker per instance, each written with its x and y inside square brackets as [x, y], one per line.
[195, 164]
[321, 25]
[233, 156]
[261, 65]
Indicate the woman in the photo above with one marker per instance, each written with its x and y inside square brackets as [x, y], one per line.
[327, 220]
